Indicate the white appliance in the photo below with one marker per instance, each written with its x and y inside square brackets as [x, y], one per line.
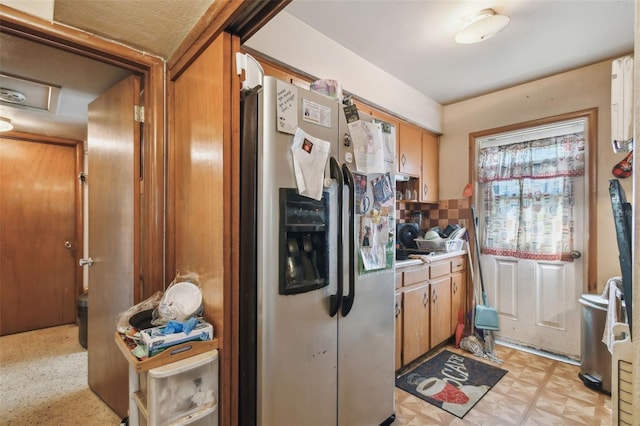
[316, 276]
[622, 104]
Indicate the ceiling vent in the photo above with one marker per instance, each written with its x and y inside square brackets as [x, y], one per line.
[25, 93]
[13, 96]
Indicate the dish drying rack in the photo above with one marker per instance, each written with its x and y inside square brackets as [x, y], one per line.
[439, 245]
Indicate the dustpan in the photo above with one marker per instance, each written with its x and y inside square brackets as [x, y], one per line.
[486, 317]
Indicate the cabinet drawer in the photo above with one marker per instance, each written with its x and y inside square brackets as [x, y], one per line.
[398, 279]
[439, 269]
[171, 390]
[458, 264]
[415, 275]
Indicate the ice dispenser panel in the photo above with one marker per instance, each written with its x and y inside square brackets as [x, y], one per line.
[303, 242]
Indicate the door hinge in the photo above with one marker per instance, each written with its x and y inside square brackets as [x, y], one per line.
[138, 113]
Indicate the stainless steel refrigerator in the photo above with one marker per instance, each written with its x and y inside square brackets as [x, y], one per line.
[316, 272]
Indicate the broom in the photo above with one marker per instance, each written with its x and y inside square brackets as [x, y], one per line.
[486, 316]
[465, 328]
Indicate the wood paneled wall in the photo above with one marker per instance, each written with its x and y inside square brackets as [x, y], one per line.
[199, 189]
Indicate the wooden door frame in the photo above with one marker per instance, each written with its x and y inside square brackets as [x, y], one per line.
[591, 115]
[152, 71]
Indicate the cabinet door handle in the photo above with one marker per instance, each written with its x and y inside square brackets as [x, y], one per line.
[397, 309]
[425, 189]
[434, 298]
[425, 299]
[403, 160]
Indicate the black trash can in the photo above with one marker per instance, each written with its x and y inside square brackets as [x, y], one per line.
[83, 314]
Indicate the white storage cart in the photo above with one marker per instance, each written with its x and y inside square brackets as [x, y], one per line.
[177, 387]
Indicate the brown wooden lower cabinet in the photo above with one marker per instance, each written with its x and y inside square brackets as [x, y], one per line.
[398, 330]
[458, 282]
[428, 299]
[440, 310]
[415, 322]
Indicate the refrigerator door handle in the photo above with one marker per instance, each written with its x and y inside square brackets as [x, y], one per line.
[347, 301]
[336, 299]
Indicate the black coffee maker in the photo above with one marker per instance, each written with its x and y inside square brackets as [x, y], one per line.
[405, 235]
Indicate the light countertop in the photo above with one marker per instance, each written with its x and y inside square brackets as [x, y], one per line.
[433, 257]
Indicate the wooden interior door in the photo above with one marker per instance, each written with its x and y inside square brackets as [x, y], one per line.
[37, 235]
[113, 179]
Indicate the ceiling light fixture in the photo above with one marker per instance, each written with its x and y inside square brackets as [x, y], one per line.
[483, 26]
[5, 124]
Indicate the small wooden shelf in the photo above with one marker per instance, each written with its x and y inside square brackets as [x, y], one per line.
[172, 354]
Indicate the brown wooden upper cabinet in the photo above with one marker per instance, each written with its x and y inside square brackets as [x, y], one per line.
[410, 152]
[284, 75]
[429, 176]
[416, 148]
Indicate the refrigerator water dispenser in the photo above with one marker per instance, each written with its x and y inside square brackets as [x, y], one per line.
[303, 243]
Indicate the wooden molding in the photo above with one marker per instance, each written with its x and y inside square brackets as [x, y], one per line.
[237, 17]
[233, 316]
[33, 137]
[71, 39]
[210, 25]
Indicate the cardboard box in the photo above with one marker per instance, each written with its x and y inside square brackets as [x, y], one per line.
[155, 342]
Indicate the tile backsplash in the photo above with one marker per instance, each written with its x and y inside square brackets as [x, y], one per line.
[446, 212]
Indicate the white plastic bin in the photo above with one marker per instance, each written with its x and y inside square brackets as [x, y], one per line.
[183, 392]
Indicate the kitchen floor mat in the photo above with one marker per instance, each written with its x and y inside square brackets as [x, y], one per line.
[451, 381]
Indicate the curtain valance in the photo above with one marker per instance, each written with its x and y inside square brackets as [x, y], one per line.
[536, 159]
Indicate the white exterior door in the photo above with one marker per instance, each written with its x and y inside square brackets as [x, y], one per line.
[537, 300]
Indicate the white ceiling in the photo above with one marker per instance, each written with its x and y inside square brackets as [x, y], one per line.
[79, 79]
[412, 40]
[157, 27]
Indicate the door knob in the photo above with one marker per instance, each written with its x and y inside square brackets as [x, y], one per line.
[87, 262]
[68, 244]
[576, 254]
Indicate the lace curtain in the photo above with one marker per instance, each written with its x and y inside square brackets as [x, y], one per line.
[528, 196]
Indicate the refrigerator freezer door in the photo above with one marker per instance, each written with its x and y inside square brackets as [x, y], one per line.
[296, 337]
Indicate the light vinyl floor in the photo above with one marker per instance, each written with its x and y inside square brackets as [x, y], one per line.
[43, 381]
[535, 391]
